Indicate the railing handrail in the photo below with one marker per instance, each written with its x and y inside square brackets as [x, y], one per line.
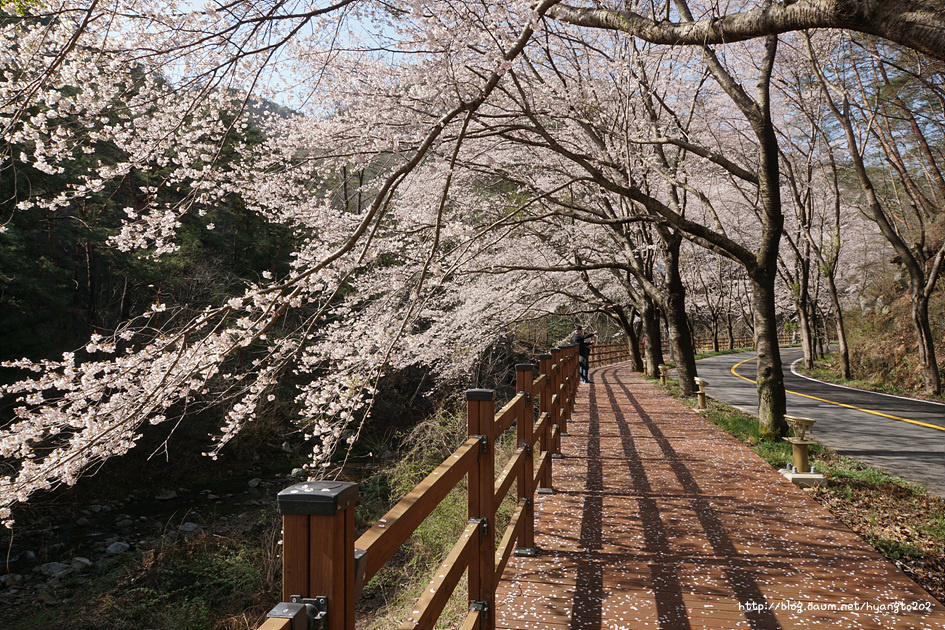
[325, 567]
[603, 353]
[382, 541]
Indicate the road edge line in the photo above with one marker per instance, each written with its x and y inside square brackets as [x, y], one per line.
[857, 389]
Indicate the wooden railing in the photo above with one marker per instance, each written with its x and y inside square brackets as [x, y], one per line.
[704, 344]
[607, 353]
[324, 567]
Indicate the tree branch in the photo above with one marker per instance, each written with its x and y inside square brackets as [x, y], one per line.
[913, 23]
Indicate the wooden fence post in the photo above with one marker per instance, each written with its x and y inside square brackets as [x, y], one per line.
[544, 406]
[524, 377]
[568, 386]
[557, 402]
[573, 378]
[480, 414]
[318, 546]
[567, 400]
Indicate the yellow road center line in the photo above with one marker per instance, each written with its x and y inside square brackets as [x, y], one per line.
[839, 404]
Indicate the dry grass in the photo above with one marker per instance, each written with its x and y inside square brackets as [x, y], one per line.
[883, 349]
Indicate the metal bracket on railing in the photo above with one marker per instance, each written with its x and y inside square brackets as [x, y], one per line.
[305, 613]
[526, 447]
[483, 443]
[528, 397]
[360, 564]
[482, 607]
[483, 524]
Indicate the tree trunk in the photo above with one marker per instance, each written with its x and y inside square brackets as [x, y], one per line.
[635, 359]
[920, 317]
[344, 182]
[680, 334]
[680, 337]
[123, 303]
[843, 349]
[917, 274]
[806, 333]
[846, 372]
[772, 401]
[629, 326]
[653, 338]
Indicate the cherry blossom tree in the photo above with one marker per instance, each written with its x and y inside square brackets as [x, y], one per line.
[821, 203]
[869, 105]
[717, 290]
[413, 144]
[621, 174]
[196, 76]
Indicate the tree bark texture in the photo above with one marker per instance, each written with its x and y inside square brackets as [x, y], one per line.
[920, 318]
[914, 24]
[653, 338]
[680, 334]
[772, 400]
[636, 360]
[806, 332]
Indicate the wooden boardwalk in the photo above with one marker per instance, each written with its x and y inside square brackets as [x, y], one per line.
[661, 520]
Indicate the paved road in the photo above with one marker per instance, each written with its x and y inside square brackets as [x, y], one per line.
[899, 435]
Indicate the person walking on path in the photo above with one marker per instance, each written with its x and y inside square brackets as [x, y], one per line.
[584, 350]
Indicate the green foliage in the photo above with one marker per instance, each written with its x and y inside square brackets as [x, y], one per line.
[738, 423]
[743, 426]
[893, 549]
[22, 7]
[400, 583]
[846, 470]
[935, 527]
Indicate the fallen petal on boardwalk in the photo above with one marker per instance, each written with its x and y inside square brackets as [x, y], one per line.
[661, 520]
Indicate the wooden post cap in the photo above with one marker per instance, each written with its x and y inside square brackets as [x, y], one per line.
[544, 356]
[800, 425]
[524, 367]
[321, 498]
[480, 394]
